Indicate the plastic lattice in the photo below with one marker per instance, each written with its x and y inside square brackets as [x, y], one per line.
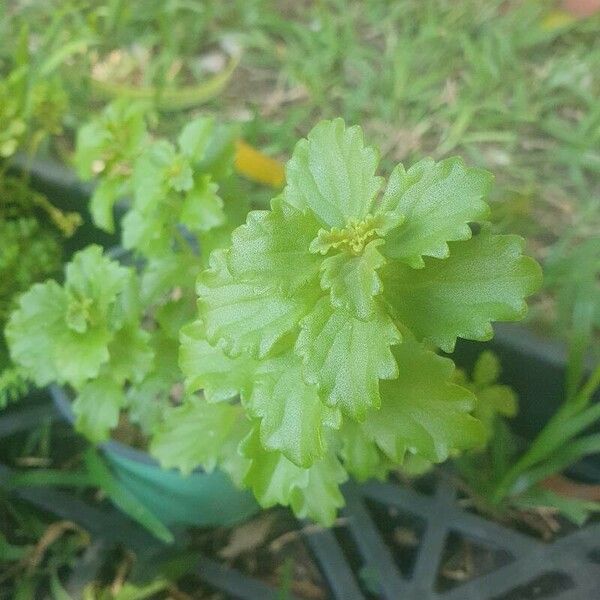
[355, 557]
[569, 566]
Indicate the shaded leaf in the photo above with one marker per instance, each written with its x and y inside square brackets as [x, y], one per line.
[484, 279]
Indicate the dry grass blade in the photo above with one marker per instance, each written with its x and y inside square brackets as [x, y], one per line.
[247, 537]
[52, 533]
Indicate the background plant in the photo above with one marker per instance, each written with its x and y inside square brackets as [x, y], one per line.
[509, 477]
[111, 331]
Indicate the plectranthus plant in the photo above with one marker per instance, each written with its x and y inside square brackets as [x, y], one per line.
[110, 332]
[323, 317]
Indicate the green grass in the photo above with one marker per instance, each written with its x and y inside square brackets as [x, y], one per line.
[434, 77]
[487, 79]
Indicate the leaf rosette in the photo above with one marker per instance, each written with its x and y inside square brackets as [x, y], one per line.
[323, 313]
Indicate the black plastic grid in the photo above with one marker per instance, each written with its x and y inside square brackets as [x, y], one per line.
[572, 560]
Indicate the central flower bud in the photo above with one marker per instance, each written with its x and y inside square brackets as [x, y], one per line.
[354, 236]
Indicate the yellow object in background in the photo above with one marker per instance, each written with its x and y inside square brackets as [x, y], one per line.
[256, 166]
[557, 19]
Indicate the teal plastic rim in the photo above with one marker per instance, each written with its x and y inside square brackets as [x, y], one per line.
[200, 498]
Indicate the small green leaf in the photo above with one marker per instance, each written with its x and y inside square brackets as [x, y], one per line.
[191, 435]
[438, 200]
[487, 369]
[97, 407]
[246, 317]
[353, 281]
[102, 202]
[112, 141]
[484, 279]
[321, 499]
[332, 173]
[80, 356]
[195, 137]
[346, 357]
[501, 398]
[145, 233]
[131, 355]
[208, 368]
[91, 274]
[422, 409]
[148, 178]
[275, 245]
[202, 208]
[361, 455]
[91, 139]
[312, 492]
[292, 415]
[270, 475]
[32, 330]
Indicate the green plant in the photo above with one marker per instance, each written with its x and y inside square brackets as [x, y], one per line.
[323, 313]
[110, 332]
[506, 478]
[321, 316]
[31, 251]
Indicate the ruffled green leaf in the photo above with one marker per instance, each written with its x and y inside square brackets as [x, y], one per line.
[231, 460]
[131, 355]
[80, 356]
[191, 435]
[321, 499]
[245, 317]
[112, 141]
[332, 173]
[361, 456]
[33, 328]
[92, 275]
[208, 368]
[63, 334]
[292, 416]
[102, 203]
[312, 492]
[160, 168]
[195, 138]
[346, 357]
[353, 281]
[274, 245]
[484, 279]
[438, 200]
[422, 409]
[97, 407]
[202, 208]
